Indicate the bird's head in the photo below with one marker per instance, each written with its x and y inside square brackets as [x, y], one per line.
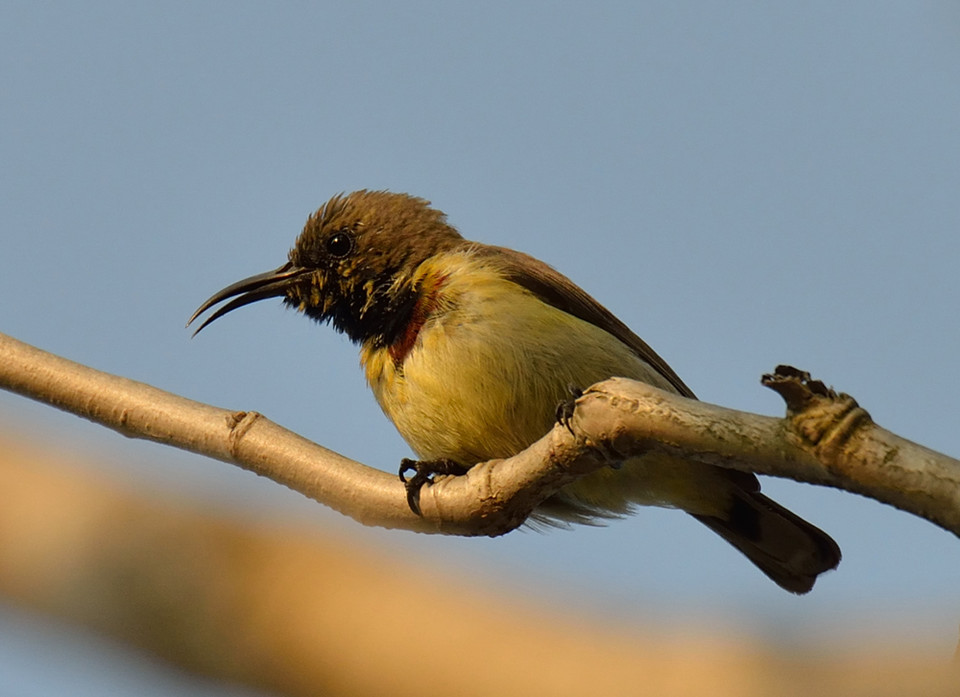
[353, 265]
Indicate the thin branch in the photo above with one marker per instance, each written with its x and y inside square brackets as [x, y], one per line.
[825, 439]
[491, 499]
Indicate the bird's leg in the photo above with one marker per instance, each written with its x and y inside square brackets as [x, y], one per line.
[566, 408]
[423, 472]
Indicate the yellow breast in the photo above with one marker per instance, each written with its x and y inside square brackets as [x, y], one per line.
[489, 365]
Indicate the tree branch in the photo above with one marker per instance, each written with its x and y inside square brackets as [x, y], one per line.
[825, 439]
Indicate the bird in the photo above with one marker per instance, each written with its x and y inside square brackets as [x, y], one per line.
[469, 348]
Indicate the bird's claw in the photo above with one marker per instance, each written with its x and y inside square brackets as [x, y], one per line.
[566, 408]
[423, 474]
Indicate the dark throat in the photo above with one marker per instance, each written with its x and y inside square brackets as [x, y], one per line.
[392, 320]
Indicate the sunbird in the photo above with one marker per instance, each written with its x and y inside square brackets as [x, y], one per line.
[469, 348]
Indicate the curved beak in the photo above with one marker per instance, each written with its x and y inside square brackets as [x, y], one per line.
[271, 284]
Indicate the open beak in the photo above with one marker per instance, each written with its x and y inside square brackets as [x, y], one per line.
[271, 284]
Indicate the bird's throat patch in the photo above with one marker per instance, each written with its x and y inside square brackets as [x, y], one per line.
[428, 303]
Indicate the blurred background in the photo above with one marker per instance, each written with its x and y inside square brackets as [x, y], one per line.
[743, 184]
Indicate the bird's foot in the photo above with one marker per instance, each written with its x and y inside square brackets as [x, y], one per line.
[566, 408]
[423, 474]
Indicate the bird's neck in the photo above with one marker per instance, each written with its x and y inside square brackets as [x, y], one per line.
[387, 315]
[435, 289]
[406, 329]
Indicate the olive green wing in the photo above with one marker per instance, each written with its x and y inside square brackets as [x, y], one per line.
[557, 290]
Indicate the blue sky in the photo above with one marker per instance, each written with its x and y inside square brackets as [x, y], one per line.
[744, 184]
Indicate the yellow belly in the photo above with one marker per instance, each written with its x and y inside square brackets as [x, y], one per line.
[486, 374]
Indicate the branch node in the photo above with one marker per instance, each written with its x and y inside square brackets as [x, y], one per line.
[820, 416]
[239, 423]
[796, 387]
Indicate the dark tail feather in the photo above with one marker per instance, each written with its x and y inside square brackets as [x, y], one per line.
[784, 546]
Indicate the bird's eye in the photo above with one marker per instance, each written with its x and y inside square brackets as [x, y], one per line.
[340, 244]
